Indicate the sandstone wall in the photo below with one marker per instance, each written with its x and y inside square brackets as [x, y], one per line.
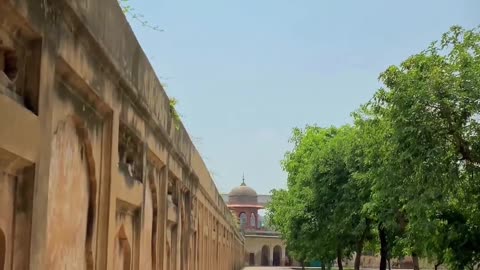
[94, 171]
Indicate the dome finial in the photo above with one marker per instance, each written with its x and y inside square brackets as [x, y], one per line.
[243, 180]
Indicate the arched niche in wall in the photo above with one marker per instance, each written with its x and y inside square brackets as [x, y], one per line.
[20, 67]
[153, 200]
[73, 184]
[123, 251]
[130, 153]
[253, 220]
[265, 255]
[243, 219]
[251, 259]
[277, 256]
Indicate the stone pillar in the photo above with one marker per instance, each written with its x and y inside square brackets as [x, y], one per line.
[208, 241]
[270, 258]
[200, 238]
[184, 230]
[162, 216]
[228, 251]
[40, 230]
[213, 243]
[230, 257]
[283, 256]
[217, 246]
[178, 246]
[203, 251]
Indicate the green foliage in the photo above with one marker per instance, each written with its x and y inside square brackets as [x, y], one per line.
[176, 117]
[408, 166]
[430, 105]
[323, 205]
[140, 18]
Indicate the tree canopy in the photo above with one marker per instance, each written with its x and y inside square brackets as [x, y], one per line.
[404, 175]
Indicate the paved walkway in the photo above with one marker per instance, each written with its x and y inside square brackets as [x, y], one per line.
[266, 268]
[296, 268]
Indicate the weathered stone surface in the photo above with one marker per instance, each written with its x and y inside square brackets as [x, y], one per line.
[94, 171]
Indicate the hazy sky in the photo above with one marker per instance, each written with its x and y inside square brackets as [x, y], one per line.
[246, 72]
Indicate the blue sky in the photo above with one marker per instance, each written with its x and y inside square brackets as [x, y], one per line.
[246, 72]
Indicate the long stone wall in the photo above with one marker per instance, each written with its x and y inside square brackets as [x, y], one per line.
[95, 172]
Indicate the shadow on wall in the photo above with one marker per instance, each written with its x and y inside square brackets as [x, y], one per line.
[2, 249]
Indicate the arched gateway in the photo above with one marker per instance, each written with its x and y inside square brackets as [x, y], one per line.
[265, 255]
[277, 256]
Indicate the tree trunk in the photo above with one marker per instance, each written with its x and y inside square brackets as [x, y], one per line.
[323, 266]
[416, 265]
[359, 246]
[383, 247]
[358, 255]
[389, 261]
[437, 265]
[303, 265]
[339, 259]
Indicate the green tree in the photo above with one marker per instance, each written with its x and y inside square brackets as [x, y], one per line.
[339, 196]
[290, 211]
[407, 169]
[323, 200]
[377, 169]
[430, 107]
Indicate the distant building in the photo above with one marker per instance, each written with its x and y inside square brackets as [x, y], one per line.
[263, 246]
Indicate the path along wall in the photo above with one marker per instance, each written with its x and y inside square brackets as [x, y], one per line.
[95, 173]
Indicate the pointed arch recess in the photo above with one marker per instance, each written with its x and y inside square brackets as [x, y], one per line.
[153, 190]
[124, 246]
[83, 136]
